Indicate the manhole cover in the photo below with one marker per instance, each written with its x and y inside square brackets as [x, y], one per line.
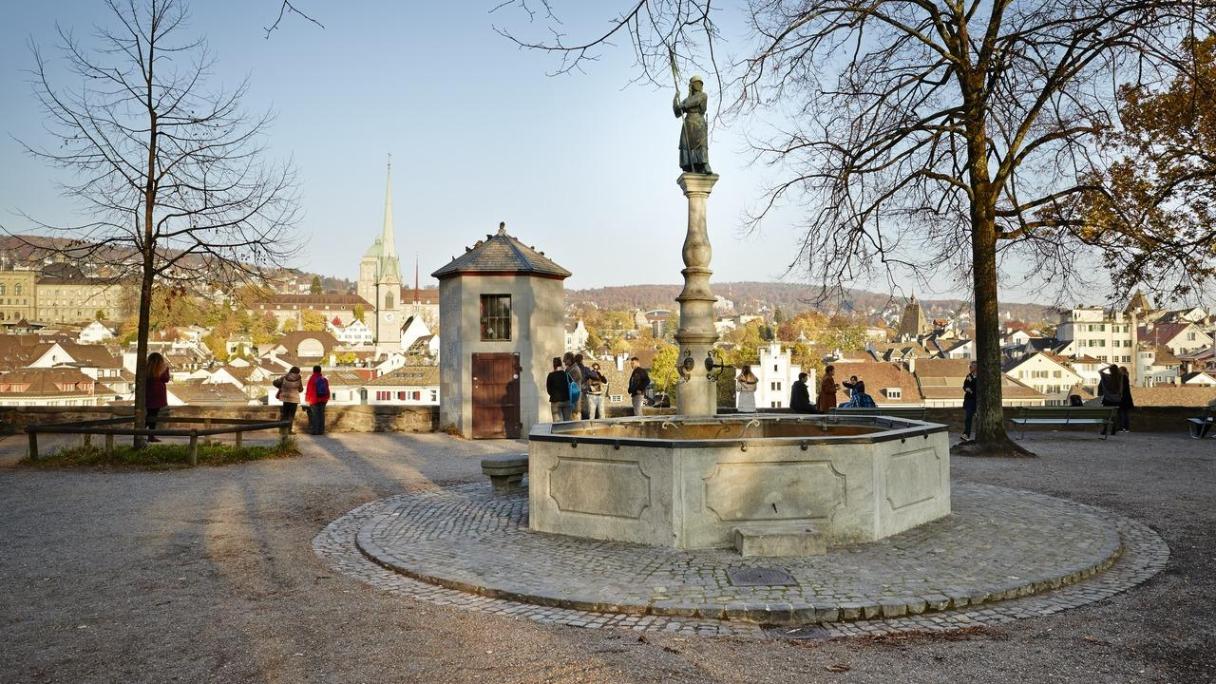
[760, 577]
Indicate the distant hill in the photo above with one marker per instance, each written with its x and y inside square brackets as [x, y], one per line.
[791, 298]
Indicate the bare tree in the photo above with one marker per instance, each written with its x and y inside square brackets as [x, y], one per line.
[172, 173]
[935, 136]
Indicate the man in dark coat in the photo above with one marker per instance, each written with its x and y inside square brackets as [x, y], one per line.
[971, 388]
[800, 396]
[557, 384]
[639, 380]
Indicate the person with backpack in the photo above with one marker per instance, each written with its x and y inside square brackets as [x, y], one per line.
[584, 405]
[317, 395]
[574, 377]
[290, 386]
[596, 386]
[639, 382]
[558, 386]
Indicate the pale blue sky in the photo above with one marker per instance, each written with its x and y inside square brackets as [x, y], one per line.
[582, 166]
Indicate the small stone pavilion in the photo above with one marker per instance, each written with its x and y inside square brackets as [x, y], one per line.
[501, 315]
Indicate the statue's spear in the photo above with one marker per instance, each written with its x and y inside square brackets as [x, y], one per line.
[675, 71]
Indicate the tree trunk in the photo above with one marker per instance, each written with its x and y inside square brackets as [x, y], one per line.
[990, 436]
[148, 275]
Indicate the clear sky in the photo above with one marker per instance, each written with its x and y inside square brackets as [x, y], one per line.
[582, 166]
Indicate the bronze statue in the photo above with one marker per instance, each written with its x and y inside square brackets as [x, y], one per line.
[694, 135]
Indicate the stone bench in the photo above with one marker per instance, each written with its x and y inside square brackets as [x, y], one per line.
[506, 473]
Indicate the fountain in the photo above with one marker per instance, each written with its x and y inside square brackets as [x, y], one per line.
[768, 484]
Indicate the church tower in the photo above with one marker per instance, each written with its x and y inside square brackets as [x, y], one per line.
[380, 279]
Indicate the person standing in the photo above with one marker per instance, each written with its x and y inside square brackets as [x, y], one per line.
[596, 386]
[317, 395]
[1126, 404]
[746, 387]
[800, 396]
[1110, 389]
[558, 386]
[639, 382]
[290, 386]
[584, 403]
[157, 395]
[971, 388]
[826, 401]
[574, 375]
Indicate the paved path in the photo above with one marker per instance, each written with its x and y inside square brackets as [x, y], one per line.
[210, 575]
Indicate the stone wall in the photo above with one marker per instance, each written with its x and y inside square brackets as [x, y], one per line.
[337, 418]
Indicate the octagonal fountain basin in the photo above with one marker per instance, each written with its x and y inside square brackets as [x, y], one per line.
[705, 482]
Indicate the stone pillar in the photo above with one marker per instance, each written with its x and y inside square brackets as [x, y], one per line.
[697, 395]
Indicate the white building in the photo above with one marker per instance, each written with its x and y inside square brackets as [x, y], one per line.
[415, 328]
[576, 340]
[1046, 373]
[408, 386]
[95, 333]
[354, 334]
[1107, 336]
[776, 374]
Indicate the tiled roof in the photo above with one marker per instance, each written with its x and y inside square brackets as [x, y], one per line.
[47, 382]
[207, 393]
[426, 295]
[1174, 395]
[91, 355]
[1163, 332]
[502, 253]
[877, 377]
[320, 301]
[18, 351]
[408, 376]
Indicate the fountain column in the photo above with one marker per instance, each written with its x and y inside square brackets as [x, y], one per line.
[697, 394]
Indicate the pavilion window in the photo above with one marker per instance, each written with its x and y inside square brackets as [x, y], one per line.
[495, 317]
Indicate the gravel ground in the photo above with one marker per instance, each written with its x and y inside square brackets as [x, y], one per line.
[209, 575]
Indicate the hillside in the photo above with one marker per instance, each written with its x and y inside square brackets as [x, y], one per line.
[791, 298]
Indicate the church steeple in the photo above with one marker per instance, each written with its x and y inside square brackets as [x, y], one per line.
[389, 244]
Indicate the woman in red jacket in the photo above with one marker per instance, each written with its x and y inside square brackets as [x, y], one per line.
[157, 395]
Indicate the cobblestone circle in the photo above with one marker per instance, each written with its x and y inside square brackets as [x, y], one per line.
[1003, 555]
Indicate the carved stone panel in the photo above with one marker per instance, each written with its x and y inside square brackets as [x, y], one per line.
[617, 489]
[782, 490]
[913, 477]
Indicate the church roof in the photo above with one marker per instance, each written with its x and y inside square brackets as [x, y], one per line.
[502, 253]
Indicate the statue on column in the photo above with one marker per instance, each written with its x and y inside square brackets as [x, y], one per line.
[694, 135]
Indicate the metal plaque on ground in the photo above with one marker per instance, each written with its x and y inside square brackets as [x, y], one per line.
[760, 577]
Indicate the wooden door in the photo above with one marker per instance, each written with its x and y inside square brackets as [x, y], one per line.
[496, 396]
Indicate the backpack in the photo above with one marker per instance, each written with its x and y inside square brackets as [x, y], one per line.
[575, 391]
[322, 388]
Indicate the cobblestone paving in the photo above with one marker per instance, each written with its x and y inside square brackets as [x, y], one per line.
[1013, 543]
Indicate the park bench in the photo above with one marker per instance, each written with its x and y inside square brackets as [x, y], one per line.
[1102, 416]
[909, 412]
[1201, 425]
[506, 473]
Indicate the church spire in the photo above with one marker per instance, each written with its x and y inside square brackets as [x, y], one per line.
[387, 239]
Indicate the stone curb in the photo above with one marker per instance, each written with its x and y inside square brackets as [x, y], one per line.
[766, 613]
[1144, 555]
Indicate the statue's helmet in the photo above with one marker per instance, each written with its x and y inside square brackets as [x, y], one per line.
[696, 79]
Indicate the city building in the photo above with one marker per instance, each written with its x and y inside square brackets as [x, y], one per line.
[912, 323]
[776, 374]
[502, 307]
[889, 384]
[17, 296]
[1048, 373]
[405, 386]
[52, 387]
[380, 280]
[941, 385]
[1108, 336]
[293, 307]
[1181, 338]
[63, 294]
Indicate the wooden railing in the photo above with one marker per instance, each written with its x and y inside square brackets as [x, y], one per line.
[109, 427]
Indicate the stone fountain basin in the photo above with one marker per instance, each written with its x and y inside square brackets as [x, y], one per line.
[691, 482]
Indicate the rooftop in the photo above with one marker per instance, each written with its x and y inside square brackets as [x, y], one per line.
[501, 253]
